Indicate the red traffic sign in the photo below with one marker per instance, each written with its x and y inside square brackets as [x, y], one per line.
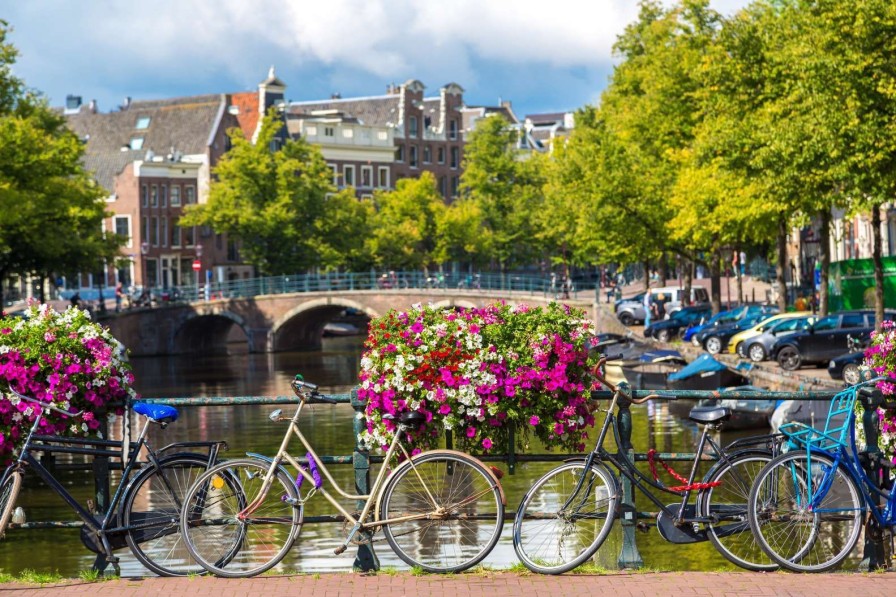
[197, 265]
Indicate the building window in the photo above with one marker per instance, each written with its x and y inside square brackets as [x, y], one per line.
[175, 195]
[190, 195]
[123, 227]
[154, 231]
[164, 233]
[366, 176]
[144, 195]
[383, 177]
[145, 226]
[441, 153]
[455, 159]
[399, 155]
[427, 154]
[412, 127]
[452, 129]
[328, 131]
[348, 173]
[154, 196]
[136, 142]
[413, 156]
[175, 236]
[142, 123]
[189, 234]
[443, 186]
[335, 169]
[163, 195]
[454, 185]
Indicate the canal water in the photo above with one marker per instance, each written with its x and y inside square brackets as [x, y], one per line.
[247, 428]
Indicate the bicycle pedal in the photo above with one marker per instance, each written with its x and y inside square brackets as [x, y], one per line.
[643, 527]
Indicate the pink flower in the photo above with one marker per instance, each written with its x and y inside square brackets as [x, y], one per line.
[534, 420]
[471, 432]
[487, 444]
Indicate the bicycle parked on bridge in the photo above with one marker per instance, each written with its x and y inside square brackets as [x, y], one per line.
[440, 510]
[143, 512]
[810, 504]
[568, 513]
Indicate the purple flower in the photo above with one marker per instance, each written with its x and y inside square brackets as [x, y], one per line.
[487, 444]
[534, 420]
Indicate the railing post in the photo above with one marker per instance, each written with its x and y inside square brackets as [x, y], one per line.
[511, 450]
[101, 484]
[365, 560]
[629, 556]
[874, 538]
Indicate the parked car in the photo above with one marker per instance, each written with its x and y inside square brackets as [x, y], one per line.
[723, 317]
[737, 342]
[826, 339]
[759, 347]
[846, 367]
[667, 329]
[715, 338]
[630, 312]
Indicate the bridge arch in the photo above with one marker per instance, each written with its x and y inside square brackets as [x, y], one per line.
[205, 332]
[301, 327]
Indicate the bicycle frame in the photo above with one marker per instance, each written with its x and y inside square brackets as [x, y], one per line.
[360, 523]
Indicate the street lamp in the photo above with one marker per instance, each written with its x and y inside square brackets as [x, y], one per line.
[144, 251]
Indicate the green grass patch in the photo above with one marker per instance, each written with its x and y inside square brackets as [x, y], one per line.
[40, 578]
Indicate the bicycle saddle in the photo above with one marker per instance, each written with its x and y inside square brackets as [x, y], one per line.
[412, 419]
[160, 413]
[709, 414]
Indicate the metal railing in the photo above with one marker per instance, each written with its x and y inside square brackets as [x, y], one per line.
[361, 459]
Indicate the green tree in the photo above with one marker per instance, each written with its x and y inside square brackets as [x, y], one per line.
[343, 233]
[51, 212]
[404, 229]
[507, 189]
[273, 201]
[461, 235]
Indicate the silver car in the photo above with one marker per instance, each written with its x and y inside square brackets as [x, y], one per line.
[759, 347]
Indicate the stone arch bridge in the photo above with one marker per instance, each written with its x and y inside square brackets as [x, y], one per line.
[294, 321]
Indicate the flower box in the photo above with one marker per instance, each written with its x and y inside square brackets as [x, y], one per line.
[487, 375]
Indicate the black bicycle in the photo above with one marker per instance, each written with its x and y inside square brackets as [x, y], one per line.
[144, 513]
[569, 512]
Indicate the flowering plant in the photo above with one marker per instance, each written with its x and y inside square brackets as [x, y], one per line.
[880, 356]
[62, 359]
[479, 373]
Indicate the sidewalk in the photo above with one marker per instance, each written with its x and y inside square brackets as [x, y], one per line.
[492, 584]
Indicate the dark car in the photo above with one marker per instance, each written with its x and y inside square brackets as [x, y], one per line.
[759, 347]
[723, 317]
[846, 367]
[666, 329]
[826, 339]
[714, 339]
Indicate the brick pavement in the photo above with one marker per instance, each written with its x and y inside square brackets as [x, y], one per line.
[493, 584]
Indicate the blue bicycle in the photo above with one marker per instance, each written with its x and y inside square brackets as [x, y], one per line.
[808, 506]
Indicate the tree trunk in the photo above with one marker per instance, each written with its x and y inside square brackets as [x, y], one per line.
[740, 278]
[687, 270]
[878, 267]
[663, 264]
[823, 297]
[41, 294]
[781, 265]
[646, 276]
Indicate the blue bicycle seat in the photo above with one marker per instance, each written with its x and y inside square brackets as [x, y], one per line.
[161, 413]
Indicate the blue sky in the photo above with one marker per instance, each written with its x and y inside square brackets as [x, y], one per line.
[542, 56]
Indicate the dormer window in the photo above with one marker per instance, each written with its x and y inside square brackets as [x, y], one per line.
[136, 143]
[142, 123]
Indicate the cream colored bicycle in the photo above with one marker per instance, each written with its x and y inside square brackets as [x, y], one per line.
[440, 510]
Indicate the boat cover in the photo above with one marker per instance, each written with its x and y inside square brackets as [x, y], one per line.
[702, 364]
[653, 356]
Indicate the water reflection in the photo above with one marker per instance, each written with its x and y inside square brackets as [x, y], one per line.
[247, 428]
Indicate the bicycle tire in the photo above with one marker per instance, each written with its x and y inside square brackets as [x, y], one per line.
[232, 545]
[726, 505]
[9, 492]
[151, 513]
[549, 536]
[468, 518]
[797, 537]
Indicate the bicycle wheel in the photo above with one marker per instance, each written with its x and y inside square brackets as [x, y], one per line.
[561, 522]
[726, 505]
[805, 515]
[151, 513]
[9, 491]
[460, 510]
[233, 528]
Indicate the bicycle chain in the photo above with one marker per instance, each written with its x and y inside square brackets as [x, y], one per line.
[346, 527]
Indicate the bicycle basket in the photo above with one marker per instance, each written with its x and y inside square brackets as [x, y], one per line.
[836, 430]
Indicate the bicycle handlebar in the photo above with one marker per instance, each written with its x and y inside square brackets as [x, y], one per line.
[44, 404]
[600, 377]
[307, 391]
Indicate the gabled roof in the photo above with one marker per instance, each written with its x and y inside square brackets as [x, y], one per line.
[247, 114]
[379, 110]
[183, 125]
